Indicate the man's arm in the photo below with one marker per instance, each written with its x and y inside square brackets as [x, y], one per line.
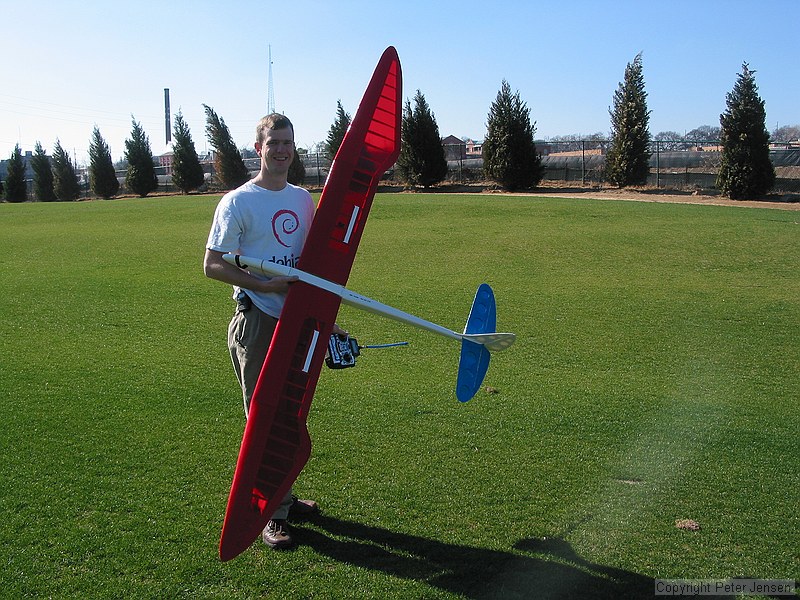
[216, 268]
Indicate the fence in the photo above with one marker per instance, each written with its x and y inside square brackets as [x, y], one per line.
[674, 164]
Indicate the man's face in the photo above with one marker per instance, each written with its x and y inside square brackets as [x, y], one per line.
[277, 149]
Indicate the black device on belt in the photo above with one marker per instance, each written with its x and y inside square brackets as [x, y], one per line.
[243, 302]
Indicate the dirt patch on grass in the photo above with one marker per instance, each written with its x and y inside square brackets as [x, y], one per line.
[778, 201]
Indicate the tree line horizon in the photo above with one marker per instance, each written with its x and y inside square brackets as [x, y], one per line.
[510, 158]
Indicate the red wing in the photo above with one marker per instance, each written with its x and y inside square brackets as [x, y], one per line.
[276, 444]
[370, 147]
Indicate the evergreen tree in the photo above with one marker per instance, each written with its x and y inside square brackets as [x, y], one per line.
[297, 170]
[228, 161]
[509, 151]
[16, 189]
[187, 172]
[421, 161]
[337, 131]
[42, 175]
[628, 157]
[141, 176]
[65, 178]
[102, 177]
[746, 171]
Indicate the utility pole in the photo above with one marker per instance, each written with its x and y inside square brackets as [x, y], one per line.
[270, 92]
[167, 116]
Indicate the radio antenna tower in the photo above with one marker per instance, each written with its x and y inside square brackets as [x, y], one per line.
[270, 92]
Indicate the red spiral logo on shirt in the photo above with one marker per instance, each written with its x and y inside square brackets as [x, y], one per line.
[284, 224]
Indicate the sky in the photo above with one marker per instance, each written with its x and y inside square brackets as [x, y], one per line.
[69, 66]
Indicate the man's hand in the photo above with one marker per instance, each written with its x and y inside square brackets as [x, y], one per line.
[275, 284]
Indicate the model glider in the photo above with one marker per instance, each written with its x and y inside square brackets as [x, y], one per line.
[276, 445]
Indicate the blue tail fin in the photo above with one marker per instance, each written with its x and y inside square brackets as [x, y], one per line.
[475, 357]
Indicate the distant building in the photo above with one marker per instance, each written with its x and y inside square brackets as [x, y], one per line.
[474, 149]
[784, 145]
[454, 148]
[165, 159]
[26, 158]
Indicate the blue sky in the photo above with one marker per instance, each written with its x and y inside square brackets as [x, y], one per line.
[68, 65]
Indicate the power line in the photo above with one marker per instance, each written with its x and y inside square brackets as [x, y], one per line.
[31, 104]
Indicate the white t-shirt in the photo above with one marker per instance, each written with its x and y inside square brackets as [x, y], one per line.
[260, 223]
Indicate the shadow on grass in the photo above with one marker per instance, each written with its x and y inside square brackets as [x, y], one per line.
[536, 568]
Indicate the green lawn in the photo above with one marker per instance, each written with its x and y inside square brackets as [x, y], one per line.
[656, 377]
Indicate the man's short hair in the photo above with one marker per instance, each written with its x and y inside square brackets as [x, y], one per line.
[272, 121]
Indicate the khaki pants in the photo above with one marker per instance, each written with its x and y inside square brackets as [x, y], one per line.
[249, 335]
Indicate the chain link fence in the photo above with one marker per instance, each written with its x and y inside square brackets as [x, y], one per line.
[674, 164]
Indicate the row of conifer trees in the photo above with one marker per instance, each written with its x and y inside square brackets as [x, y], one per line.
[511, 160]
[55, 178]
[509, 151]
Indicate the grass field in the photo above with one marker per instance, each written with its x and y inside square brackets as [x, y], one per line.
[656, 377]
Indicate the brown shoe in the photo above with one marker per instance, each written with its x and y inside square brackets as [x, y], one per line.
[301, 509]
[276, 535]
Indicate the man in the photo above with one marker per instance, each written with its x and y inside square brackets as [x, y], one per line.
[266, 217]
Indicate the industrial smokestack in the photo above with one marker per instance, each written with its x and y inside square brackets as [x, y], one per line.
[167, 115]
